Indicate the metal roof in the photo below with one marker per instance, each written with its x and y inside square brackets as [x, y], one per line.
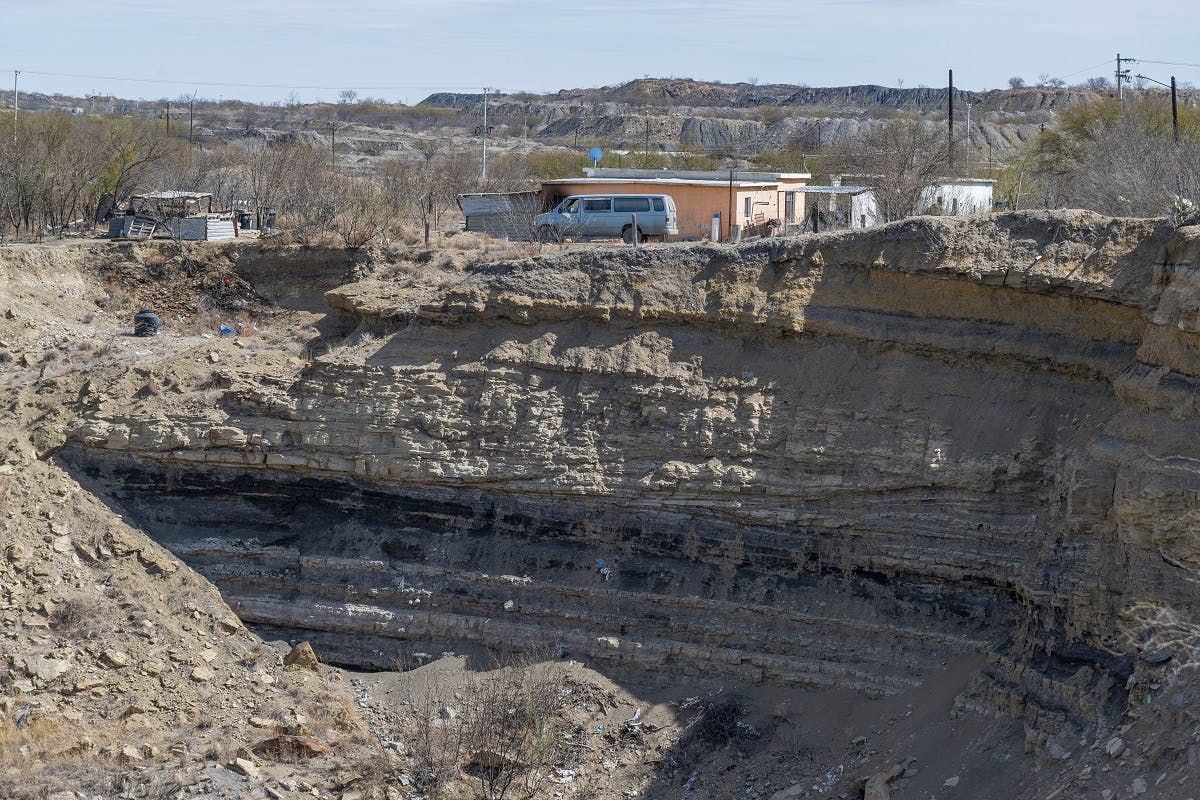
[172, 194]
[832, 189]
[695, 175]
[654, 182]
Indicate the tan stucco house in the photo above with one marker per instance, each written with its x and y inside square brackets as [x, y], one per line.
[748, 198]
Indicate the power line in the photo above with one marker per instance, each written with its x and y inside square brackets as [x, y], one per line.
[240, 85]
[1171, 63]
[1103, 63]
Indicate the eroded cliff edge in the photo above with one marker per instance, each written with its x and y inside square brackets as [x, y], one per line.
[841, 460]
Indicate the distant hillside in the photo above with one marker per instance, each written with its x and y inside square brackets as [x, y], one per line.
[736, 120]
[669, 113]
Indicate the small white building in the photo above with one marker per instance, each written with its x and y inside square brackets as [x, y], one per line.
[950, 197]
[956, 197]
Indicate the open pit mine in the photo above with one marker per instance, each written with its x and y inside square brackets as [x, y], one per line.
[959, 452]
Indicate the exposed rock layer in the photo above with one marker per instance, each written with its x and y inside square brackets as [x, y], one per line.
[838, 460]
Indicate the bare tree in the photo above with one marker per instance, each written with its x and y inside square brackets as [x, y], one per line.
[424, 189]
[1120, 158]
[899, 159]
[361, 213]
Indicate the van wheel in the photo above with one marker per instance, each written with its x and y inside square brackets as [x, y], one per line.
[627, 235]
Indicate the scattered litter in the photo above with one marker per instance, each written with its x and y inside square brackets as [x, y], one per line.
[226, 330]
[146, 323]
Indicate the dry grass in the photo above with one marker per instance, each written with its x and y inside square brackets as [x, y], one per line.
[40, 754]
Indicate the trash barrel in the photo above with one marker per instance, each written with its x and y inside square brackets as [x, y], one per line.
[146, 323]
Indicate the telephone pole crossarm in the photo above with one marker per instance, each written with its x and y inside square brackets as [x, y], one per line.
[1122, 75]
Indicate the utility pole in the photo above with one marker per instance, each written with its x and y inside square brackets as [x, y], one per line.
[168, 118]
[333, 144]
[485, 131]
[1122, 75]
[16, 72]
[1174, 107]
[191, 120]
[950, 99]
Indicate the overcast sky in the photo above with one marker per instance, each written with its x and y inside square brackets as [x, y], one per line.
[403, 50]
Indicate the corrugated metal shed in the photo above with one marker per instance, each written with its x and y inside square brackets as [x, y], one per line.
[504, 215]
[199, 229]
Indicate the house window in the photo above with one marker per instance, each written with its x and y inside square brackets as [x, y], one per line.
[789, 207]
[749, 207]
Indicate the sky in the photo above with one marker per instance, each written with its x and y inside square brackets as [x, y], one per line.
[307, 51]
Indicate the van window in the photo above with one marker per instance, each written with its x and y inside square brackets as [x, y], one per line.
[569, 206]
[658, 203]
[631, 204]
[597, 204]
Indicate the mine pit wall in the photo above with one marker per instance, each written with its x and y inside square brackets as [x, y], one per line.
[374, 573]
[798, 469]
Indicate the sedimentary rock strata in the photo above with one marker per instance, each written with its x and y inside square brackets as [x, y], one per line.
[838, 460]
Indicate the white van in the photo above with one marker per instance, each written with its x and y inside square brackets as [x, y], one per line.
[609, 216]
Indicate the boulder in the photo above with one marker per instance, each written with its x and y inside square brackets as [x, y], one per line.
[302, 657]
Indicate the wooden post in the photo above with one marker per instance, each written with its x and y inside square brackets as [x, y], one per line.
[730, 204]
[635, 231]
